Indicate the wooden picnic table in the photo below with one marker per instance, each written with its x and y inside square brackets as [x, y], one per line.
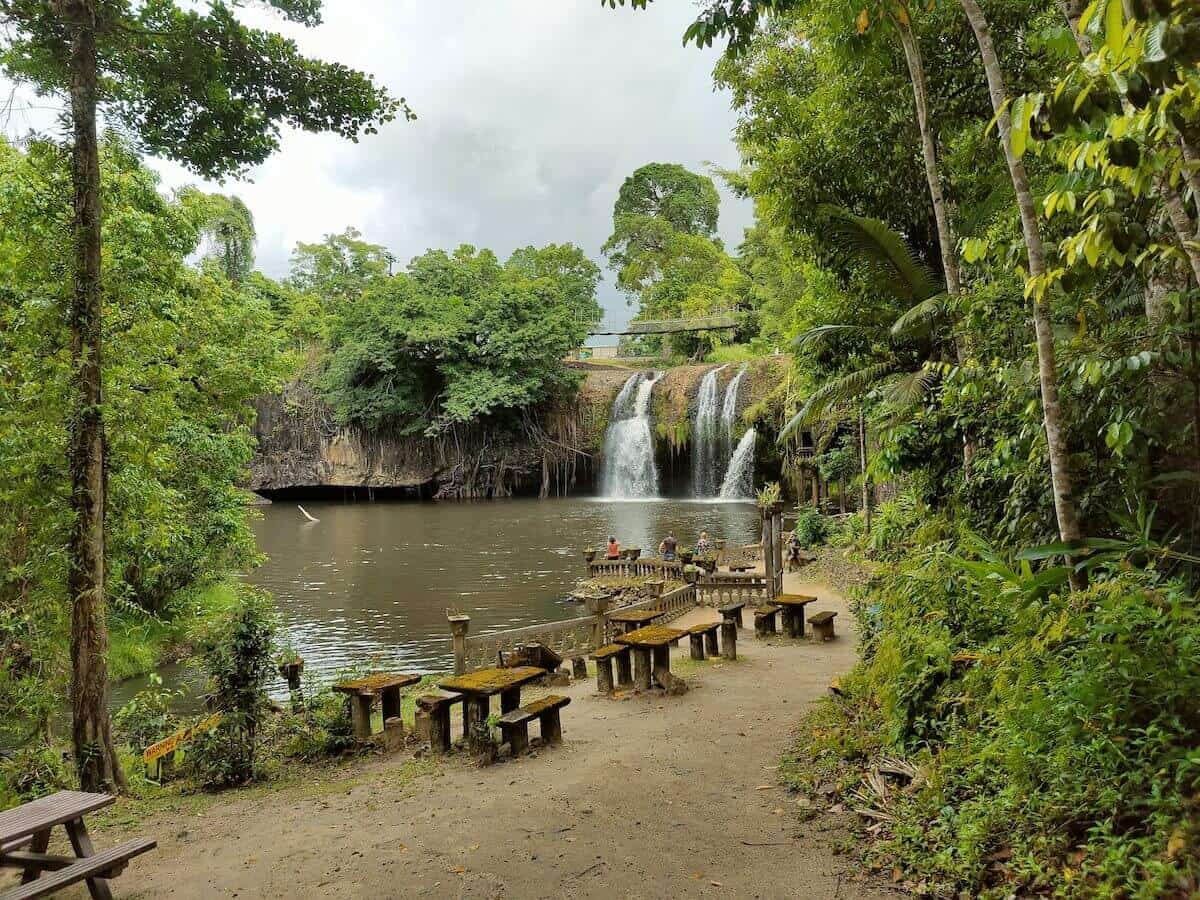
[792, 607]
[480, 686]
[651, 648]
[629, 619]
[25, 837]
[362, 693]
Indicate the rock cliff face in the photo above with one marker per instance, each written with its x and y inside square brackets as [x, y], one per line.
[301, 446]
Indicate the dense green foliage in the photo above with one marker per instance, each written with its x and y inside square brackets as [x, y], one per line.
[188, 349]
[1052, 724]
[459, 337]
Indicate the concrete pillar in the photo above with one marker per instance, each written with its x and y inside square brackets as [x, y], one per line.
[459, 626]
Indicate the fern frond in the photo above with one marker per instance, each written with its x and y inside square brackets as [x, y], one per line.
[870, 243]
[911, 388]
[820, 334]
[922, 314]
[837, 391]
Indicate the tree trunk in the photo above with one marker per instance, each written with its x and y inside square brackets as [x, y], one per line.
[95, 757]
[862, 468]
[1182, 225]
[1072, 10]
[1060, 471]
[947, 239]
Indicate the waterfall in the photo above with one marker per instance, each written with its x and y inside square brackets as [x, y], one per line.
[739, 478]
[729, 410]
[628, 465]
[709, 445]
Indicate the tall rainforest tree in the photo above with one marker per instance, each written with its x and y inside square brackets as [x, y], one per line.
[737, 20]
[194, 84]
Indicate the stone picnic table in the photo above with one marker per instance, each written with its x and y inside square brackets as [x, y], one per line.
[792, 607]
[651, 646]
[25, 837]
[480, 686]
[630, 619]
[362, 693]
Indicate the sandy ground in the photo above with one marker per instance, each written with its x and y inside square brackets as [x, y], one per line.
[650, 796]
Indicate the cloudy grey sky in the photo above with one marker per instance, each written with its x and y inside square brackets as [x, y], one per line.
[531, 113]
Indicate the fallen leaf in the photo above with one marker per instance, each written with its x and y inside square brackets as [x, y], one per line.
[460, 870]
[764, 787]
[474, 846]
[715, 883]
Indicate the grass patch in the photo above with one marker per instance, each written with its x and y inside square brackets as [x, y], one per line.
[138, 643]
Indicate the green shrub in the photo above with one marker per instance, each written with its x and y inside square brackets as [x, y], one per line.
[1057, 733]
[812, 528]
[238, 662]
[148, 716]
[32, 772]
[321, 730]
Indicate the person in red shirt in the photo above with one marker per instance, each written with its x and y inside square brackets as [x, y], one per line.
[614, 548]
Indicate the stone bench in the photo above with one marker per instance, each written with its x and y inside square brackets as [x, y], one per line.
[604, 657]
[514, 726]
[703, 639]
[732, 612]
[764, 620]
[433, 719]
[822, 624]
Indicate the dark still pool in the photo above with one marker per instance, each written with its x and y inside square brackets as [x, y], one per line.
[370, 584]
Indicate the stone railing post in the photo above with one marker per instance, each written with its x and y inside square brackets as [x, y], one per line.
[598, 608]
[459, 626]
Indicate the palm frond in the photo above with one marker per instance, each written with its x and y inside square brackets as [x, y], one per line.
[911, 388]
[820, 334]
[837, 391]
[870, 243]
[922, 314]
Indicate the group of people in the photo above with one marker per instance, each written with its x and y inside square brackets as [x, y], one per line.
[669, 547]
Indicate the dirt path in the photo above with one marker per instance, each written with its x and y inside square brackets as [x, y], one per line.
[649, 797]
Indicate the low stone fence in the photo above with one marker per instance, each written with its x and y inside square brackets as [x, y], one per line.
[570, 639]
[667, 570]
[720, 588]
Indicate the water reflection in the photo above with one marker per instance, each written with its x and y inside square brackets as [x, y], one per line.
[370, 584]
[374, 581]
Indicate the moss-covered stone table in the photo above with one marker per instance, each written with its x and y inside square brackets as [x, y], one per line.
[480, 686]
[651, 648]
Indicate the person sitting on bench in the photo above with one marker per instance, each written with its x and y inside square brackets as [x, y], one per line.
[668, 547]
[614, 548]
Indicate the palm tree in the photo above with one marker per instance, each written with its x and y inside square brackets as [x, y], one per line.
[896, 275]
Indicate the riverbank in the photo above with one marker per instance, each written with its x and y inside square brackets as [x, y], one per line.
[649, 796]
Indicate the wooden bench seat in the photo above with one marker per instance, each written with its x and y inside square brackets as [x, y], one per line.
[732, 612]
[514, 726]
[764, 620]
[703, 639]
[604, 658]
[822, 624]
[435, 708]
[105, 864]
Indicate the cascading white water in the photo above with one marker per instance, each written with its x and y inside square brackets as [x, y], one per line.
[739, 478]
[729, 410]
[628, 465]
[709, 444]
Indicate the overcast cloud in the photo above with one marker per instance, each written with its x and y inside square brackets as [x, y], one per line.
[531, 113]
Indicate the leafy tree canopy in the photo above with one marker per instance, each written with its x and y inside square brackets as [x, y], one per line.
[655, 202]
[459, 337]
[192, 82]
